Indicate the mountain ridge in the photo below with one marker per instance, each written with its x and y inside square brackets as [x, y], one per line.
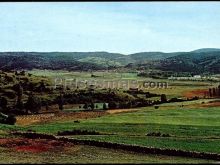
[202, 60]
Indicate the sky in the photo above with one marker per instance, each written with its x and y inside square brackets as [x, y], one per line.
[122, 27]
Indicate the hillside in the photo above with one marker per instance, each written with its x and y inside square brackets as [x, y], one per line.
[151, 56]
[197, 61]
[24, 60]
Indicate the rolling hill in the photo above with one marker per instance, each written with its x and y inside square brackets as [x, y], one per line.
[197, 61]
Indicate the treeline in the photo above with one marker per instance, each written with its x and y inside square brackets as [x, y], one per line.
[29, 61]
[214, 92]
[18, 95]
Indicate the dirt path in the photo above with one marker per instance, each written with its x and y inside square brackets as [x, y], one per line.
[211, 104]
[65, 116]
[61, 116]
[120, 111]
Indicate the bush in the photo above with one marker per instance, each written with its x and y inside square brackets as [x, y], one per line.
[9, 93]
[104, 106]
[85, 106]
[92, 106]
[3, 102]
[33, 104]
[7, 119]
[163, 98]
[11, 120]
[157, 134]
[112, 105]
[77, 132]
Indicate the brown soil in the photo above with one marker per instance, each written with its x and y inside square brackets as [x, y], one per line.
[120, 110]
[34, 145]
[61, 116]
[198, 92]
[65, 116]
[213, 104]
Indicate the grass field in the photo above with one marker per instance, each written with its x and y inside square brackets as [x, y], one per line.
[189, 126]
[176, 88]
[87, 155]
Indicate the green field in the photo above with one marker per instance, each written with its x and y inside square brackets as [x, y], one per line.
[87, 155]
[185, 125]
[192, 129]
[176, 88]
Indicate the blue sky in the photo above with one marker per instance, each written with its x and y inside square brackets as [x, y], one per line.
[124, 27]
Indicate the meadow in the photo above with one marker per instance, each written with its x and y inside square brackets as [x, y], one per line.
[188, 126]
[189, 129]
[175, 88]
[87, 155]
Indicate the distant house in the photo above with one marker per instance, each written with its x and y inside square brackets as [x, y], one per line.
[197, 76]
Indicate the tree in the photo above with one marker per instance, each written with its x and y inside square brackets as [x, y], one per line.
[3, 103]
[123, 105]
[7, 119]
[42, 87]
[129, 104]
[33, 104]
[219, 90]
[213, 92]
[19, 91]
[20, 105]
[147, 94]
[85, 106]
[11, 120]
[22, 73]
[210, 92]
[112, 105]
[60, 102]
[163, 98]
[31, 86]
[46, 105]
[104, 106]
[92, 106]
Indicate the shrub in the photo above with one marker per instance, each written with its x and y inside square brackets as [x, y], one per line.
[163, 98]
[9, 93]
[104, 106]
[33, 104]
[7, 119]
[3, 102]
[11, 120]
[156, 107]
[158, 134]
[112, 105]
[85, 106]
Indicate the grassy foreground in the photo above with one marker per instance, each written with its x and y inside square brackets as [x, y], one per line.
[189, 128]
[88, 154]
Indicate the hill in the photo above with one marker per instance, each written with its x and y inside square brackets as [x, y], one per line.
[33, 60]
[206, 60]
[195, 62]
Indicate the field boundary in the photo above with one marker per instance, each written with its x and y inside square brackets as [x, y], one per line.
[127, 147]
